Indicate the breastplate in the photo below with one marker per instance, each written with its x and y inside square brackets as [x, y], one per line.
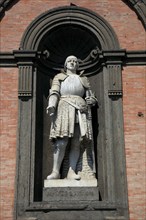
[72, 86]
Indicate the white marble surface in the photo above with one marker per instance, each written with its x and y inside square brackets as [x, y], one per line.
[70, 183]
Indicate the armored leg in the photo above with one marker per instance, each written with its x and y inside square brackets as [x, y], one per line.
[74, 155]
[59, 152]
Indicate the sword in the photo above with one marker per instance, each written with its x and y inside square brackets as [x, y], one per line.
[89, 94]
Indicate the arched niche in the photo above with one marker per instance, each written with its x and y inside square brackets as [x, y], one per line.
[51, 19]
[56, 34]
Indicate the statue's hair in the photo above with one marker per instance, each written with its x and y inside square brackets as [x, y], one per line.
[67, 60]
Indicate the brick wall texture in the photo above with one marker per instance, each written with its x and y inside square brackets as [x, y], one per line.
[132, 36]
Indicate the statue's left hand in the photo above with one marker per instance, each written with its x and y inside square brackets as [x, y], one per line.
[91, 100]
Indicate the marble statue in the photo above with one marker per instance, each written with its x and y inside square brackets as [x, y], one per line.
[70, 100]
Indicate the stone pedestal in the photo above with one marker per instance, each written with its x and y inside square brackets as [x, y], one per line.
[70, 190]
[70, 183]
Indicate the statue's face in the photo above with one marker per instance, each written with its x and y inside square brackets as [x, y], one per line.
[71, 63]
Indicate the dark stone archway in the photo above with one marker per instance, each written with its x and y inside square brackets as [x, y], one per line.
[68, 30]
[138, 6]
[69, 15]
[89, 34]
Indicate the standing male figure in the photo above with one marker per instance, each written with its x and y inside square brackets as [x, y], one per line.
[69, 98]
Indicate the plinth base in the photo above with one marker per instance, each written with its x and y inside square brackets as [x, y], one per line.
[70, 190]
[70, 183]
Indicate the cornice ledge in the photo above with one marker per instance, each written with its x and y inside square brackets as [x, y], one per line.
[123, 57]
[17, 57]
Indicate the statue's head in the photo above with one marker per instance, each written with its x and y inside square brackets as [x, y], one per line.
[71, 63]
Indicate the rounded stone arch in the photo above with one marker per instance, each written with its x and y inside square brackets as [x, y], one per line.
[88, 30]
[48, 32]
[69, 15]
[68, 30]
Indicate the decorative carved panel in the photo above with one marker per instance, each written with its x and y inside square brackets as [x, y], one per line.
[115, 81]
[25, 81]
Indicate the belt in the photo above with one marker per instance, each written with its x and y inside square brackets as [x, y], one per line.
[81, 108]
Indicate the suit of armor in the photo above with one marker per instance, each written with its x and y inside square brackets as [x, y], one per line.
[68, 109]
[68, 95]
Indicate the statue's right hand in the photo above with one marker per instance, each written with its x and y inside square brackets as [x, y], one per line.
[50, 110]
